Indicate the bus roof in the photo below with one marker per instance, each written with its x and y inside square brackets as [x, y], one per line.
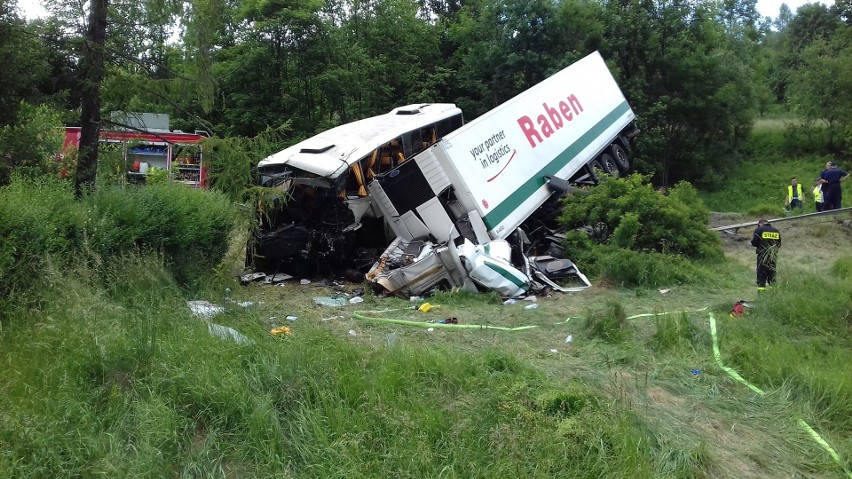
[331, 152]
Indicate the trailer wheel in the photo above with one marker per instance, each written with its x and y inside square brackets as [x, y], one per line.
[608, 165]
[620, 157]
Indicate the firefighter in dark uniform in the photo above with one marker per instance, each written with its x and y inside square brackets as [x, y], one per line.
[767, 240]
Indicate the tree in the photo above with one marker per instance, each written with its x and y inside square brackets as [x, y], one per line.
[821, 89]
[90, 113]
[683, 74]
[24, 67]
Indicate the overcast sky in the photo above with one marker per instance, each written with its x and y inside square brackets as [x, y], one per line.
[767, 8]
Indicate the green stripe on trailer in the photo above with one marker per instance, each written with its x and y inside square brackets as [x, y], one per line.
[513, 201]
[502, 272]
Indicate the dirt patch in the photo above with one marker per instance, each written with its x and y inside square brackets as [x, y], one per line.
[733, 446]
[662, 398]
[811, 242]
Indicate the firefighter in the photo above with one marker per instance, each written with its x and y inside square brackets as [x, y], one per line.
[767, 241]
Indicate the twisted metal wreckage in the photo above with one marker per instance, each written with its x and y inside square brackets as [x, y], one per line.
[470, 207]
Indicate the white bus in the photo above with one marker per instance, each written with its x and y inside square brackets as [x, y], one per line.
[322, 217]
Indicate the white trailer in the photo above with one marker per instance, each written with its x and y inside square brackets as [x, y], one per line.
[482, 181]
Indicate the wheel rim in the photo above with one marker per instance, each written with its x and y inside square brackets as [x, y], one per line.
[611, 167]
[621, 158]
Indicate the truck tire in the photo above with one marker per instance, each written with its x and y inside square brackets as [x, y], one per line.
[608, 165]
[621, 159]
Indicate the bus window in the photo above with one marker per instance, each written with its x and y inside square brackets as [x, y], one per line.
[448, 125]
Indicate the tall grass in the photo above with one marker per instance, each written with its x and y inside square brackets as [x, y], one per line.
[797, 339]
[121, 380]
[42, 223]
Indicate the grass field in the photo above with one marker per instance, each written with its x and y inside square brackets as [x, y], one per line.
[115, 377]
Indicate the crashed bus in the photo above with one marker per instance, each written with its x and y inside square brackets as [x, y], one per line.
[321, 218]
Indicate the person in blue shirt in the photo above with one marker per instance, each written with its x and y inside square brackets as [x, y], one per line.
[830, 179]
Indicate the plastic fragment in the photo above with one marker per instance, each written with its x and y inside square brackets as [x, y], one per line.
[333, 302]
[281, 330]
[531, 306]
[224, 332]
[204, 309]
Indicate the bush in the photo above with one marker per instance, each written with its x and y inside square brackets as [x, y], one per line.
[652, 237]
[39, 219]
[190, 227]
[644, 220]
[30, 147]
[645, 269]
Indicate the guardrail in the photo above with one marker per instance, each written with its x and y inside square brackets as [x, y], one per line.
[736, 227]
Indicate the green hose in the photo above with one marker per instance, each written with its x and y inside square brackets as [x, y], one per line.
[424, 324]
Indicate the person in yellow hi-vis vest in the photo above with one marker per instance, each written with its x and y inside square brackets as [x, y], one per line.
[818, 195]
[795, 195]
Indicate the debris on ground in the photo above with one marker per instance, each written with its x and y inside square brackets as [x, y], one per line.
[739, 308]
[277, 278]
[225, 332]
[330, 301]
[248, 278]
[281, 330]
[204, 309]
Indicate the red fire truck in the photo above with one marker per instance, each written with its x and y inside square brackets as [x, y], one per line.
[176, 152]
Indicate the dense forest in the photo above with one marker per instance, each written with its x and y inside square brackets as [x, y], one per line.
[697, 74]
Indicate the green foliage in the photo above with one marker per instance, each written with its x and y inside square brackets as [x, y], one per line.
[842, 268]
[809, 353]
[24, 65]
[231, 162]
[653, 236]
[30, 146]
[645, 269]
[674, 224]
[139, 399]
[689, 78]
[609, 324]
[830, 67]
[157, 176]
[39, 222]
[189, 226]
[773, 156]
[674, 332]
